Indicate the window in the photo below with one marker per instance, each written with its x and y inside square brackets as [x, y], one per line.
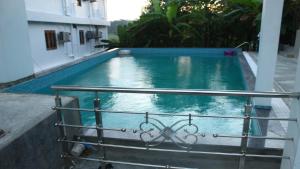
[79, 2]
[81, 37]
[50, 37]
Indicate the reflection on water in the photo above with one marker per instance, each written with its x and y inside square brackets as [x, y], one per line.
[182, 72]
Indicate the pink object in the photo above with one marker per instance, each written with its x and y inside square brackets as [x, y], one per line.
[229, 53]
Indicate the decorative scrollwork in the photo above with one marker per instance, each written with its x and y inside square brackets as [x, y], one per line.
[182, 133]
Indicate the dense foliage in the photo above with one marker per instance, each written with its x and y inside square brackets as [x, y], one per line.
[203, 23]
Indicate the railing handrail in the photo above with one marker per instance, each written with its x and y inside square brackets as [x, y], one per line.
[242, 44]
[179, 91]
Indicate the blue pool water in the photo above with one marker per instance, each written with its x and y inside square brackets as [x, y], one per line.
[200, 71]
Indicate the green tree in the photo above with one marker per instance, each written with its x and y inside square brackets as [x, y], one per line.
[165, 26]
[204, 23]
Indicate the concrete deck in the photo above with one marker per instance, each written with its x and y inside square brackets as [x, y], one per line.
[285, 71]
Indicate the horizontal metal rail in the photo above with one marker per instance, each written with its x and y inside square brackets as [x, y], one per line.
[200, 134]
[123, 162]
[89, 127]
[242, 44]
[174, 115]
[255, 137]
[274, 118]
[94, 127]
[179, 91]
[175, 150]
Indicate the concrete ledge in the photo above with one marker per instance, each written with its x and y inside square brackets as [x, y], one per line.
[30, 139]
[51, 76]
[12, 83]
[55, 68]
[75, 61]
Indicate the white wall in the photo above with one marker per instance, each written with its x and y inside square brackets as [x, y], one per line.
[88, 46]
[46, 6]
[65, 52]
[42, 57]
[96, 10]
[102, 5]
[83, 11]
[15, 56]
[91, 10]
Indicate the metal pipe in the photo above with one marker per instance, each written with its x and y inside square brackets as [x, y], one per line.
[174, 115]
[92, 127]
[246, 129]
[144, 113]
[125, 163]
[242, 44]
[272, 138]
[135, 131]
[274, 118]
[176, 151]
[62, 131]
[99, 124]
[255, 137]
[179, 91]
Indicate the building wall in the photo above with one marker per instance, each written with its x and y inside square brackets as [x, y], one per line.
[15, 55]
[52, 7]
[23, 23]
[69, 8]
[45, 59]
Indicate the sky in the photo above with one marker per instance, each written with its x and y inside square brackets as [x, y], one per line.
[125, 9]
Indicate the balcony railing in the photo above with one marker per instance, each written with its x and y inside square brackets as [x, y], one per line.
[183, 134]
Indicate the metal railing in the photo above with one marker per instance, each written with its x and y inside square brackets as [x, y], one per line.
[166, 133]
[243, 44]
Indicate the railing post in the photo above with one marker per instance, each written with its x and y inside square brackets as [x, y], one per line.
[62, 131]
[99, 124]
[246, 128]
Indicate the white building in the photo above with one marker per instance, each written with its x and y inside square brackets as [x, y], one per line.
[38, 35]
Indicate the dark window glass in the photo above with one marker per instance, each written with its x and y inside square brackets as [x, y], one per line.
[79, 2]
[50, 37]
[81, 37]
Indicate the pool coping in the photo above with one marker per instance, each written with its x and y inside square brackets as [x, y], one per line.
[74, 62]
[6, 85]
[58, 73]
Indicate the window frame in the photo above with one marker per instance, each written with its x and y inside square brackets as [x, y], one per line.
[50, 39]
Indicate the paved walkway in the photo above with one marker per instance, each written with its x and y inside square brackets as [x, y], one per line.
[285, 72]
[285, 75]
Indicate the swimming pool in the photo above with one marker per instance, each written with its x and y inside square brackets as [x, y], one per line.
[160, 68]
